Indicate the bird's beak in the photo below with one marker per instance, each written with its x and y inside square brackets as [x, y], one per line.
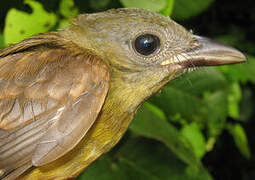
[207, 53]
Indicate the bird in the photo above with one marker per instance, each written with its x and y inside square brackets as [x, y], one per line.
[67, 97]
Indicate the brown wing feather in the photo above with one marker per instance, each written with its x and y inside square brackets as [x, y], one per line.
[48, 93]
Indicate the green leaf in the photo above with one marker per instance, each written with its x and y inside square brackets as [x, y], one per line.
[100, 170]
[236, 37]
[99, 4]
[151, 122]
[216, 116]
[167, 11]
[20, 25]
[240, 139]
[176, 101]
[153, 5]
[231, 39]
[184, 96]
[234, 98]
[196, 138]
[63, 23]
[184, 9]
[246, 104]
[67, 9]
[1, 40]
[200, 81]
[240, 72]
[201, 97]
[141, 159]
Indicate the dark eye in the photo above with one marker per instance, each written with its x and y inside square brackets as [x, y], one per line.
[146, 44]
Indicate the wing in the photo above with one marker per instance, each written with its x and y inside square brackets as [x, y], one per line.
[50, 95]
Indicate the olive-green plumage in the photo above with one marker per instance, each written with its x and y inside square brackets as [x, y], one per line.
[89, 78]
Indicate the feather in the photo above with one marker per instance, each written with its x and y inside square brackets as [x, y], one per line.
[48, 94]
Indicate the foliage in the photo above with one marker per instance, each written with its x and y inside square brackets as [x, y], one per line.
[153, 5]
[185, 9]
[176, 128]
[20, 25]
[147, 161]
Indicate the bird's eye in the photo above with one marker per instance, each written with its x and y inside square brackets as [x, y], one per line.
[146, 44]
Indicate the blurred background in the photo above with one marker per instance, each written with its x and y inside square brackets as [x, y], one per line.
[201, 125]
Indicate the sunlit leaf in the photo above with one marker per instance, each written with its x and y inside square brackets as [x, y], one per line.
[67, 9]
[20, 25]
[167, 11]
[63, 23]
[153, 5]
[234, 98]
[196, 138]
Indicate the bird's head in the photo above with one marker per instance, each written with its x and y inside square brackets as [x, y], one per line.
[145, 48]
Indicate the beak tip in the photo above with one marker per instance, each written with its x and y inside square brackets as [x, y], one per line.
[244, 58]
[216, 53]
[239, 57]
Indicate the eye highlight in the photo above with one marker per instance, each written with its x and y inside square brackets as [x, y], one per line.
[146, 44]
